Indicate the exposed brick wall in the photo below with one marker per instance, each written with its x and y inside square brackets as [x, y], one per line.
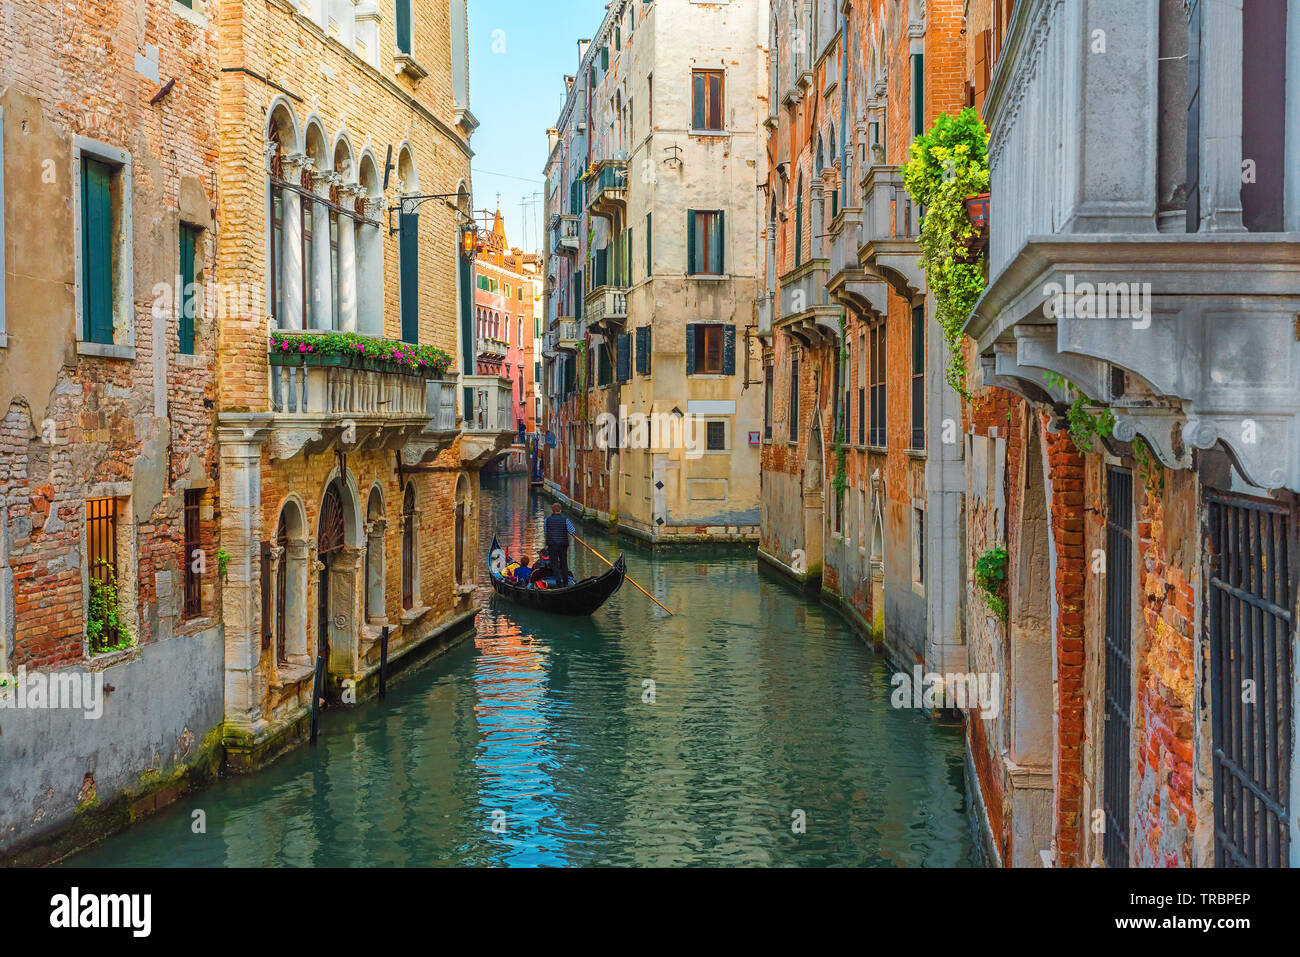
[75, 425]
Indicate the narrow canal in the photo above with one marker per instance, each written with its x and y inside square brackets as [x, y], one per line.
[536, 742]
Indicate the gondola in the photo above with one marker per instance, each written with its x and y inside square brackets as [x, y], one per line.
[584, 598]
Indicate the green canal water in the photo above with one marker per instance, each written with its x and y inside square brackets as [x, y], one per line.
[535, 743]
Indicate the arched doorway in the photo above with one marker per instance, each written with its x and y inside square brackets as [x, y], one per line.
[376, 610]
[462, 519]
[330, 539]
[290, 561]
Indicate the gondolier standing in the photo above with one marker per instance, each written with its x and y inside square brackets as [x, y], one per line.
[558, 530]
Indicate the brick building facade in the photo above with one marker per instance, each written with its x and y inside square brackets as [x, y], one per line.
[349, 494]
[108, 561]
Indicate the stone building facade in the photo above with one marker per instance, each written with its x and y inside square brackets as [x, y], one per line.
[1131, 439]
[857, 497]
[348, 494]
[651, 272]
[108, 465]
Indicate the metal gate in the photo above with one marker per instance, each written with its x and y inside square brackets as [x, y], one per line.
[1119, 666]
[1249, 626]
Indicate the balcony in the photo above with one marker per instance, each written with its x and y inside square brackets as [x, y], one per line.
[891, 223]
[568, 335]
[564, 230]
[607, 190]
[849, 283]
[766, 307]
[490, 348]
[606, 306]
[807, 313]
[489, 418]
[319, 408]
[1189, 337]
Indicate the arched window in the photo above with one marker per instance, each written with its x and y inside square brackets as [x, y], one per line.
[375, 528]
[289, 622]
[409, 556]
[462, 523]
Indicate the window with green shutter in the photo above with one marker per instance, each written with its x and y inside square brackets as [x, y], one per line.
[409, 271]
[189, 293]
[918, 94]
[649, 245]
[704, 243]
[643, 351]
[404, 26]
[97, 250]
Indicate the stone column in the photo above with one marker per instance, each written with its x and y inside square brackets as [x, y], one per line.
[946, 651]
[347, 304]
[290, 256]
[1221, 92]
[323, 304]
[240, 449]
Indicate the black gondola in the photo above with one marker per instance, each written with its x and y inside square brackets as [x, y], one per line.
[584, 598]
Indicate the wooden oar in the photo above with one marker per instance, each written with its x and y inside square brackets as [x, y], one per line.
[625, 574]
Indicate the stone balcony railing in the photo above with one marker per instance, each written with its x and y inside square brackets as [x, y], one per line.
[319, 407]
[807, 312]
[492, 348]
[338, 390]
[564, 229]
[606, 304]
[891, 224]
[848, 282]
[568, 336]
[489, 418]
[493, 400]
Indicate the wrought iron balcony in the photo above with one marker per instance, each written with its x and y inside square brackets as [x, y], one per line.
[807, 312]
[607, 190]
[891, 224]
[849, 283]
[564, 230]
[606, 305]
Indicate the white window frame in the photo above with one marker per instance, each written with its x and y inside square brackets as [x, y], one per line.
[124, 278]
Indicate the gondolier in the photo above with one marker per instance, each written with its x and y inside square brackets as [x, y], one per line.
[558, 530]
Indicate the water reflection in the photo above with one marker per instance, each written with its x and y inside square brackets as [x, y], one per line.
[537, 743]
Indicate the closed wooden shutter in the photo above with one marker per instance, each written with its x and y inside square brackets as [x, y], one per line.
[728, 350]
[189, 299]
[643, 351]
[409, 262]
[690, 348]
[625, 357]
[97, 250]
[690, 242]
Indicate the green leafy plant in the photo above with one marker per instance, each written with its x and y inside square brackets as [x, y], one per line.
[1085, 422]
[105, 629]
[1153, 476]
[223, 562]
[950, 163]
[400, 356]
[991, 577]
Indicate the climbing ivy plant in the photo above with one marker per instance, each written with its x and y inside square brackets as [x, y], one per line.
[1083, 424]
[949, 163]
[991, 577]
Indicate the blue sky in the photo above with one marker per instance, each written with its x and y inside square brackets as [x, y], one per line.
[520, 51]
